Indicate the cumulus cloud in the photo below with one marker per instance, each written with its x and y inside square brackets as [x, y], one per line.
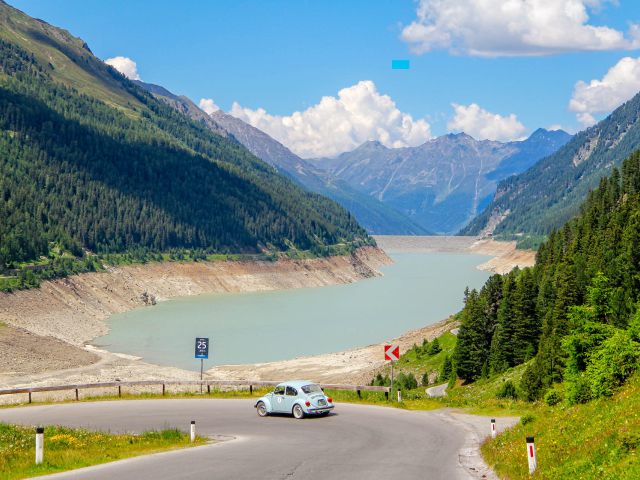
[338, 124]
[484, 125]
[513, 27]
[125, 66]
[619, 84]
[208, 105]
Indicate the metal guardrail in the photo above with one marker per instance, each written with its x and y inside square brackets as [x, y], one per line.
[164, 383]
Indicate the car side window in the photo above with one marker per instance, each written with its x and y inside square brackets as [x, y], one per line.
[279, 390]
[292, 392]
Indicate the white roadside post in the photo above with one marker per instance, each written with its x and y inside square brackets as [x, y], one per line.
[531, 455]
[493, 428]
[39, 445]
[399, 395]
[193, 431]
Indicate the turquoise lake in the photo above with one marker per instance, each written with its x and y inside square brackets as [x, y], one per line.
[417, 290]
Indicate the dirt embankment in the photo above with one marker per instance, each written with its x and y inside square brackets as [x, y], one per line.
[63, 315]
[354, 366]
[505, 255]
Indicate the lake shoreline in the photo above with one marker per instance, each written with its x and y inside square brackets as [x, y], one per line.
[45, 332]
[88, 300]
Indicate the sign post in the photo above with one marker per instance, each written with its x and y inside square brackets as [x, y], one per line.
[202, 352]
[392, 354]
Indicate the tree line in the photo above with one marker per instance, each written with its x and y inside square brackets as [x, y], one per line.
[574, 316]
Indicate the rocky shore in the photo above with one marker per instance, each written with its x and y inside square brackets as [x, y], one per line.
[45, 330]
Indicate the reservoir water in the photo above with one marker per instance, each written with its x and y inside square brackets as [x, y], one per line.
[417, 290]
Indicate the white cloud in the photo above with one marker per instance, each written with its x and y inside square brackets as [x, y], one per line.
[124, 65]
[484, 125]
[620, 83]
[208, 105]
[513, 27]
[338, 124]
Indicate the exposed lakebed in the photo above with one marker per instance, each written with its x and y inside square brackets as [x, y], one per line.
[417, 290]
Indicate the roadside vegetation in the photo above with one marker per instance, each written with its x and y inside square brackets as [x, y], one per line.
[600, 440]
[68, 449]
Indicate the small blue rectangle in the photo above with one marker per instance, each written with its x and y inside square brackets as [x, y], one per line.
[400, 64]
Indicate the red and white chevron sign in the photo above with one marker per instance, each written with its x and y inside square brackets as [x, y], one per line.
[391, 352]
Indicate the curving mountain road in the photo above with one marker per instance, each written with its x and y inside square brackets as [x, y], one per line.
[357, 441]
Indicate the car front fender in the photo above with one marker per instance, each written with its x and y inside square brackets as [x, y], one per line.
[267, 403]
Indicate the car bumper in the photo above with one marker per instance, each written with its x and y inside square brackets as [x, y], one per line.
[318, 410]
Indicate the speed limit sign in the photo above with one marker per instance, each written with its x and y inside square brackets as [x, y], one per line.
[202, 347]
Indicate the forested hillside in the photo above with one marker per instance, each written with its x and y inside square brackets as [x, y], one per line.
[111, 169]
[574, 315]
[548, 194]
[375, 216]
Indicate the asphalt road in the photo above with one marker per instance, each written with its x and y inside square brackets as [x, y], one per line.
[357, 441]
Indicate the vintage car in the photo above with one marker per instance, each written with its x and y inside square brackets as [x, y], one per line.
[298, 397]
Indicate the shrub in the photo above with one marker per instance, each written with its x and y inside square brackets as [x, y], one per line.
[445, 371]
[435, 347]
[527, 419]
[381, 381]
[553, 397]
[531, 384]
[578, 389]
[425, 379]
[611, 364]
[406, 381]
[507, 390]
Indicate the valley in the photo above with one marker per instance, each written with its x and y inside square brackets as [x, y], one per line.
[431, 210]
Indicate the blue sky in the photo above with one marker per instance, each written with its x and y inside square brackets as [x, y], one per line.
[283, 56]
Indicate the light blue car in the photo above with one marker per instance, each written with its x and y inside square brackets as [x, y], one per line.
[297, 397]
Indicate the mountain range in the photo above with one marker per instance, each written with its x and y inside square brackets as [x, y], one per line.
[374, 215]
[443, 183]
[434, 188]
[548, 194]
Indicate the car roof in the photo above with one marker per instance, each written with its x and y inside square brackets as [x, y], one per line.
[297, 383]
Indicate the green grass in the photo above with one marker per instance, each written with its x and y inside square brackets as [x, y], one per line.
[68, 449]
[418, 363]
[599, 440]
[481, 397]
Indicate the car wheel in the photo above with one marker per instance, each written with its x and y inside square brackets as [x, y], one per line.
[298, 412]
[261, 408]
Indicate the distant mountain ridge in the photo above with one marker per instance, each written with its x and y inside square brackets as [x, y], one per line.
[443, 183]
[550, 193]
[375, 216]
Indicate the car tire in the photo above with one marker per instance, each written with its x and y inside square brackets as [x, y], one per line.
[297, 411]
[261, 408]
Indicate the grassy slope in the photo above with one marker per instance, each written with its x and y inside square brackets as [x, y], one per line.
[412, 362]
[68, 449]
[598, 440]
[72, 63]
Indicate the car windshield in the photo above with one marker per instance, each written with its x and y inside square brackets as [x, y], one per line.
[311, 389]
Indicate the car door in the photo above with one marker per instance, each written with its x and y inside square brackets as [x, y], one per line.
[291, 395]
[278, 403]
